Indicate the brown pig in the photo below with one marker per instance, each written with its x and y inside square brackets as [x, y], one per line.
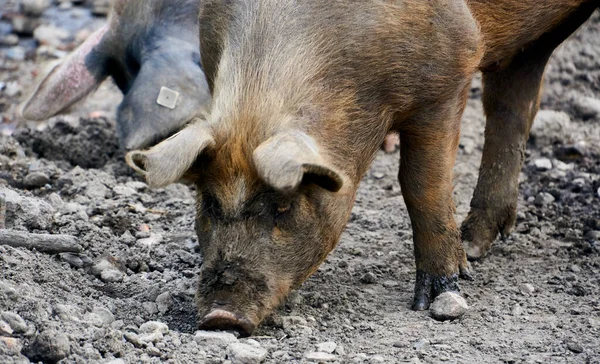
[150, 50]
[304, 93]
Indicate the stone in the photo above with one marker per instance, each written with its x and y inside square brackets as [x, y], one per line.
[16, 322]
[448, 306]
[543, 199]
[124, 191]
[149, 242]
[575, 347]
[36, 180]
[289, 322]
[209, 338]
[549, 126]
[240, 353]
[368, 278]
[319, 357]
[327, 347]
[49, 346]
[164, 301]
[104, 314]
[35, 7]
[50, 35]
[517, 310]
[421, 344]
[526, 289]
[154, 326]
[543, 164]
[587, 107]
[107, 272]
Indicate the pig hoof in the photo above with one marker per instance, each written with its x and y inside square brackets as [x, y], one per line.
[224, 320]
[428, 287]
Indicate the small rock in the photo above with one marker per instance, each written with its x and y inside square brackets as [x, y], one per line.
[377, 359]
[124, 191]
[153, 351]
[240, 353]
[526, 289]
[154, 326]
[593, 235]
[327, 347]
[543, 198]
[50, 35]
[49, 346]
[289, 322]
[36, 180]
[35, 7]
[149, 242]
[9, 40]
[107, 272]
[543, 164]
[575, 347]
[10, 346]
[517, 310]
[575, 268]
[207, 338]
[448, 306]
[104, 314]
[319, 356]
[152, 337]
[368, 278]
[421, 344]
[378, 175]
[164, 301]
[16, 322]
[134, 339]
[5, 328]
[587, 107]
[73, 259]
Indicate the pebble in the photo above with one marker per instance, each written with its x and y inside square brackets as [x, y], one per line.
[73, 259]
[17, 53]
[289, 322]
[448, 306]
[5, 328]
[107, 271]
[543, 198]
[575, 347]
[319, 356]
[164, 301]
[526, 289]
[543, 164]
[154, 326]
[208, 338]
[240, 353]
[421, 344]
[36, 180]
[368, 278]
[16, 322]
[327, 347]
[104, 314]
[50, 35]
[517, 310]
[49, 346]
[149, 242]
[35, 7]
[124, 191]
[11, 345]
[587, 107]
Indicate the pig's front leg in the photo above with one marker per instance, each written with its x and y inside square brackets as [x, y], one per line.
[428, 150]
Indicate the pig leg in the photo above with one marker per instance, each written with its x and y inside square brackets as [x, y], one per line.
[428, 152]
[511, 99]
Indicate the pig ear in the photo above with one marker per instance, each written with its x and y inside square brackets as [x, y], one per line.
[288, 159]
[166, 162]
[67, 82]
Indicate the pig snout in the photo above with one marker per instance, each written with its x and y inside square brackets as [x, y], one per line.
[231, 297]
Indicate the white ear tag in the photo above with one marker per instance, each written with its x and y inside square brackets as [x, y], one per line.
[167, 98]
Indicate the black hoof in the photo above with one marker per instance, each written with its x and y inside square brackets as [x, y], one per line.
[428, 287]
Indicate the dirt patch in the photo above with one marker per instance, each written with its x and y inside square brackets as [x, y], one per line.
[535, 298]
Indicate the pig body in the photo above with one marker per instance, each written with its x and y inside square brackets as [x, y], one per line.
[147, 47]
[304, 93]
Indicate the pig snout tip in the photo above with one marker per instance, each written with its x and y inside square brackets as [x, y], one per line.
[224, 320]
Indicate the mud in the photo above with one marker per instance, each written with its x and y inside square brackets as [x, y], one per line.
[535, 298]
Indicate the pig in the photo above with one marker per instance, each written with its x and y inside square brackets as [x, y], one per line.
[150, 49]
[303, 95]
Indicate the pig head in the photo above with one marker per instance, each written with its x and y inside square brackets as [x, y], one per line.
[150, 49]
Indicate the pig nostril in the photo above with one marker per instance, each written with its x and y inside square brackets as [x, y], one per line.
[224, 320]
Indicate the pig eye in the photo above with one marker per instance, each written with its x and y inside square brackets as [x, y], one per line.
[282, 210]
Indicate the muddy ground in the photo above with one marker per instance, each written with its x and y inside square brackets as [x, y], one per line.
[535, 299]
